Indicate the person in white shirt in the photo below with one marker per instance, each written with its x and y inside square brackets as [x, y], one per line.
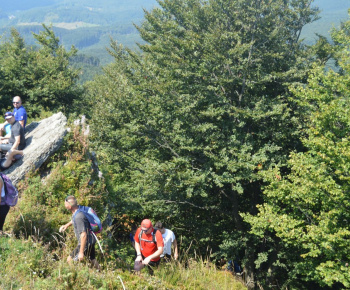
[169, 240]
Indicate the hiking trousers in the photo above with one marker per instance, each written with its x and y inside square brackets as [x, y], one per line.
[4, 209]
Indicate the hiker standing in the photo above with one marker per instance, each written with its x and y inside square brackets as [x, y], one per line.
[86, 239]
[148, 245]
[169, 240]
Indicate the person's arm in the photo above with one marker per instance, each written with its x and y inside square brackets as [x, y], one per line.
[21, 116]
[83, 239]
[17, 140]
[176, 253]
[155, 255]
[16, 131]
[5, 137]
[21, 122]
[138, 252]
[2, 126]
[64, 227]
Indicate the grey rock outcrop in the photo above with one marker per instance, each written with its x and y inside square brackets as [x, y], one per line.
[43, 139]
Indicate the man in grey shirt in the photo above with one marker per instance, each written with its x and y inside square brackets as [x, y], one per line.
[17, 139]
[86, 240]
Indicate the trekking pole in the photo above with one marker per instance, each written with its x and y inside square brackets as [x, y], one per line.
[98, 242]
[121, 281]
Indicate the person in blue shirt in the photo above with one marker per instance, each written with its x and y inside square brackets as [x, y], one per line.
[20, 115]
[19, 112]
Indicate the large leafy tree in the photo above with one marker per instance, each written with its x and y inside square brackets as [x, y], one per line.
[187, 124]
[307, 211]
[41, 76]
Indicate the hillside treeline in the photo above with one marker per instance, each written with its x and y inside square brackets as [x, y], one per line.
[89, 25]
[227, 128]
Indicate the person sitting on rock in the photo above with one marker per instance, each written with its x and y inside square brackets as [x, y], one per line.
[11, 156]
[17, 139]
[20, 115]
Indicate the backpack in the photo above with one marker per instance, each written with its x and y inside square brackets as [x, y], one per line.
[11, 192]
[90, 214]
[154, 239]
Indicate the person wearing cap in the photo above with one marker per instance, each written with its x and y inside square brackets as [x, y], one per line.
[17, 139]
[169, 239]
[19, 112]
[148, 245]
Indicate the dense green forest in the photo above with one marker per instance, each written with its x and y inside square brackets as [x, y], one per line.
[90, 25]
[223, 123]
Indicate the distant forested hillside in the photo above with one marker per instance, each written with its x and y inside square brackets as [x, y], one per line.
[90, 25]
[332, 13]
[10, 6]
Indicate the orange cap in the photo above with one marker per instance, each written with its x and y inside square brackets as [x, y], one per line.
[146, 223]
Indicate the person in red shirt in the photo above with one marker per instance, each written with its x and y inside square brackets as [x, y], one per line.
[148, 245]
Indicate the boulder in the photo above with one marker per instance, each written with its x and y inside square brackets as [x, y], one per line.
[43, 139]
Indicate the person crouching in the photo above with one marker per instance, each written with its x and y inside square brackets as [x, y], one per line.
[149, 246]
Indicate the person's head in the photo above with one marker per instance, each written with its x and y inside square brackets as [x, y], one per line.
[146, 226]
[70, 203]
[17, 102]
[9, 117]
[159, 226]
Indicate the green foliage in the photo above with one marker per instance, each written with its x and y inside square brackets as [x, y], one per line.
[190, 130]
[35, 256]
[41, 208]
[42, 77]
[26, 264]
[88, 67]
[22, 262]
[308, 209]
[88, 25]
[185, 126]
[197, 274]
